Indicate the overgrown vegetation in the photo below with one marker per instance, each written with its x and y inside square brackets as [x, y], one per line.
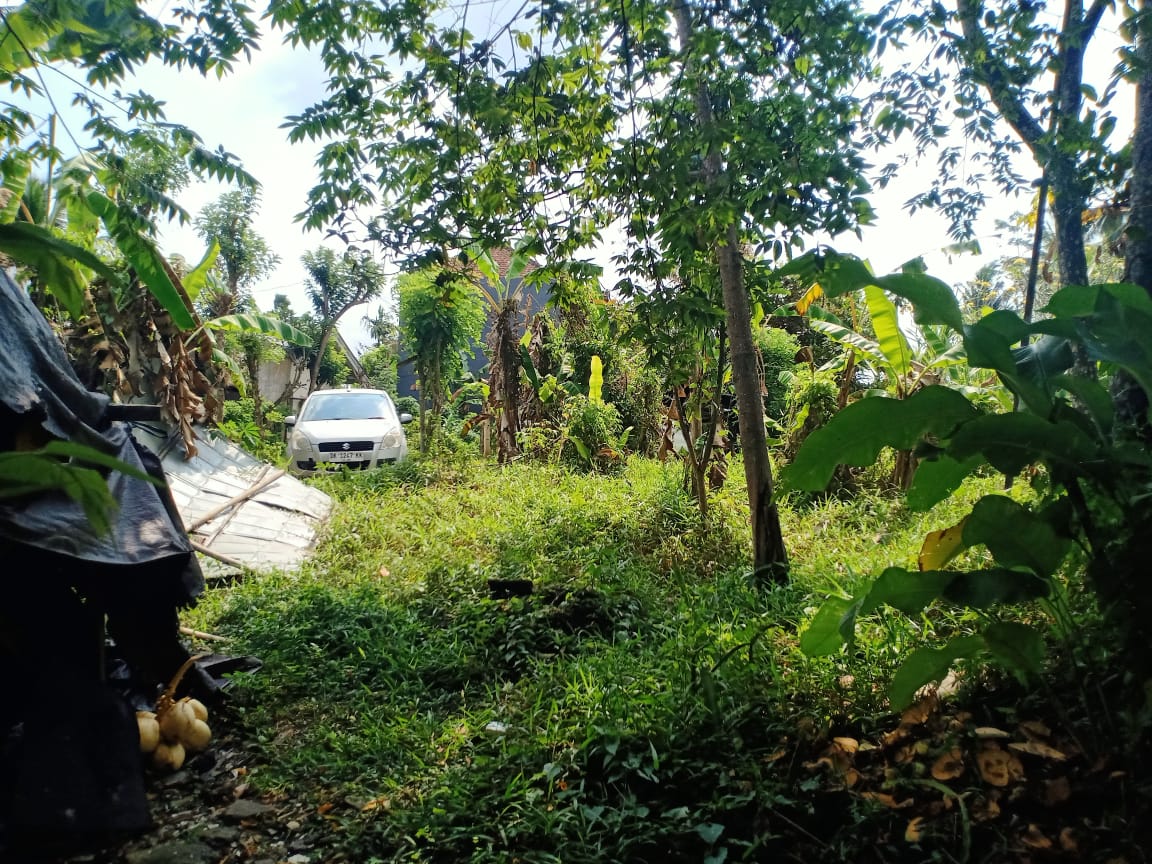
[646, 702]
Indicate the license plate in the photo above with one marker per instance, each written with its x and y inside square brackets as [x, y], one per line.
[348, 456]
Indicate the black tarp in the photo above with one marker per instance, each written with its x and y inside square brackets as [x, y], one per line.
[70, 772]
[37, 382]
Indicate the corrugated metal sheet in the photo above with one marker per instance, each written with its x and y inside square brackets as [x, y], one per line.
[275, 528]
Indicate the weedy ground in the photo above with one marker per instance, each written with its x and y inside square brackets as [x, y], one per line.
[646, 701]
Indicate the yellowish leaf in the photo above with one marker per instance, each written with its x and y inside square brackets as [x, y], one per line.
[942, 546]
[810, 296]
[848, 745]
[914, 831]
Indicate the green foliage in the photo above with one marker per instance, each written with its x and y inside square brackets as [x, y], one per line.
[73, 469]
[226, 223]
[265, 441]
[594, 431]
[380, 366]
[440, 316]
[1092, 490]
[778, 350]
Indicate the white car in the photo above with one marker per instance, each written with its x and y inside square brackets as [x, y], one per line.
[355, 428]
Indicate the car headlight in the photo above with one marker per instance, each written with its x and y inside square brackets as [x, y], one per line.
[299, 441]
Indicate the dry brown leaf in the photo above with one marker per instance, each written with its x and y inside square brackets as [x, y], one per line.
[1038, 748]
[1068, 840]
[1035, 838]
[986, 809]
[1057, 791]
[920, 710]
[381, 803]
[1034, 729]
[996, 766]
[384, 572]
[986, 733]
[914, 832]
[948, 766]
[852, 777]
[887, 800]
[773, 757]
[846, 681]
[848, 745]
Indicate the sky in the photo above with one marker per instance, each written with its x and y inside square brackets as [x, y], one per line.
[244, 112]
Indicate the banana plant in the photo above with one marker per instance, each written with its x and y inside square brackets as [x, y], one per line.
[1093, 496]
[905, 356]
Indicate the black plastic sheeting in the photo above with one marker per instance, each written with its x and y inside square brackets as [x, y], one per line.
[36, 380]
[70, 767]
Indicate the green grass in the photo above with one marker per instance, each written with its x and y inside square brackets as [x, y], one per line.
[646, 703]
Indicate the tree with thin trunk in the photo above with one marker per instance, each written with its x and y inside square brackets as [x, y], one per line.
[337, 284]
[243, 259]
[732, 136]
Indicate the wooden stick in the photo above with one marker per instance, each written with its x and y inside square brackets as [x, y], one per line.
[252, 490]
[219, 556]
[200, 634]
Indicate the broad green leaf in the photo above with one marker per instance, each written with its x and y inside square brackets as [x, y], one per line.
[982, 589]
[92, 456]
[886, 321]
[529, 368]
[234, 369]
[1092, 395]
[822, 636]
[1015, 535]
[937, 478]
[16, 166]
[1011, 442]
[926, 665]
[258, 322]
[196, 278]
[933, 302]
[909, 591]
[1019, 647]
[144, 259]
[857, 434]
[54, 260]
[850, 339]
[33, 472]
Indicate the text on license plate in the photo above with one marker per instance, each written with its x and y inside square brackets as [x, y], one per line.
[348, 456]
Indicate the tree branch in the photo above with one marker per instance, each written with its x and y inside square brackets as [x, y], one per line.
[990, 74]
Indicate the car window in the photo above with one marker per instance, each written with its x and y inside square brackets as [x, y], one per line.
[347, 406]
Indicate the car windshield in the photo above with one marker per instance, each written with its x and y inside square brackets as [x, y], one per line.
[347, 406]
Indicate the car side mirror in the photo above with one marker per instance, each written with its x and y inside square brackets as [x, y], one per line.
[405, 417]
[290, 420]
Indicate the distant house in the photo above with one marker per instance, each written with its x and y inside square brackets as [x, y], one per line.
[286, 382]
[533, 300]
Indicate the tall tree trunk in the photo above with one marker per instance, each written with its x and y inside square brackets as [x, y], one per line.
[504, 380]
[769, 555]
[1130, 400]
[314, 369]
